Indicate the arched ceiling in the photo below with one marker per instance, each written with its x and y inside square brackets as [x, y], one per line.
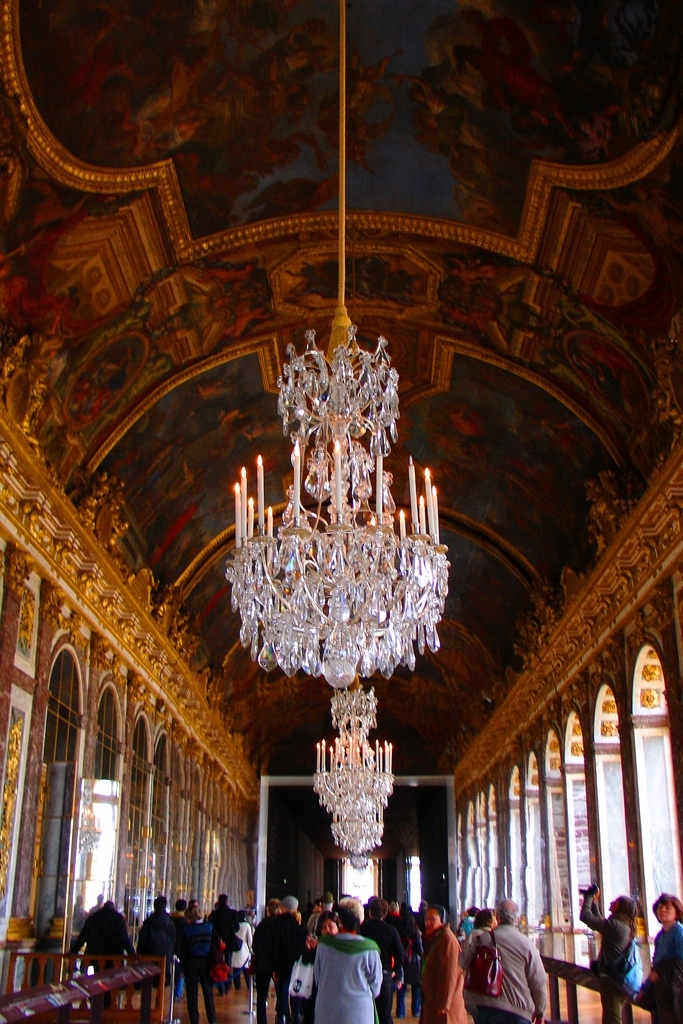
[515, 230]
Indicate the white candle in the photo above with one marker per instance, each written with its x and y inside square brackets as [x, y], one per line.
[297, 482]
[259, 488]
[413, 492]
[435, 509]
[402, 525]
[323, 756]
[238, 517]
[379, 484]
[243, 490]
[270, 520]
[317, 757]
[377, 754]
[423, 525]
[338, 480]
[428, 501]
[250, 519]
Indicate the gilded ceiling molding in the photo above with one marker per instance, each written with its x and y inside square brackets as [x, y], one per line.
[67, 554]
[648, 548]
[267, 351]
[54, 158]
[442, 367]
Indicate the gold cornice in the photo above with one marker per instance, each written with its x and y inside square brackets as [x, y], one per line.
[442, 365]
[648, 547]
[269, 364]
[544, 176]
[70, 557]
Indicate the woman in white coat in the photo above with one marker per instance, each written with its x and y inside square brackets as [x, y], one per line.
[241, 958]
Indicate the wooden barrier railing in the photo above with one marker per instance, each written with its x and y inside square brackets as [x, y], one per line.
[573, 975]
[84, 996]
[27, 970]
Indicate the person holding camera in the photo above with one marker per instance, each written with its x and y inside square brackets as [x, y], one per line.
[617, 931]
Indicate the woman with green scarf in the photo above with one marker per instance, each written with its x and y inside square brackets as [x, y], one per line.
[348, 971]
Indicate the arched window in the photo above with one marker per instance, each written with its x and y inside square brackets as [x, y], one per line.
[557, 832]
[197, 832]
[63, 711]
[137, 824]
[534, 863]
[472, 862]
[515, 837]
[493, 894]
[107, 742]
[55, 818]
[611, 817]
[481, 883]
[654, 769]
[159, 817]
[577, 813]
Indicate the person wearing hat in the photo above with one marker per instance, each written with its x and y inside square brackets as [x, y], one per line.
[289, 940]
[328, 901]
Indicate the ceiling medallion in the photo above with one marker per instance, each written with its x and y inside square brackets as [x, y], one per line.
[353, 781]
[338, 592]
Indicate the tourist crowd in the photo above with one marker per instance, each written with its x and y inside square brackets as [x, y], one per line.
[345, 962]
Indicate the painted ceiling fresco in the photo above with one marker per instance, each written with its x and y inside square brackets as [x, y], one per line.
[242, 96]
[515, 231]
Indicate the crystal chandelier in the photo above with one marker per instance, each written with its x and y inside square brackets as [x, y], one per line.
[338, 592]
[353, 781]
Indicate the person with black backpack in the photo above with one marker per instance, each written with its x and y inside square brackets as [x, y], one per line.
[195, 946]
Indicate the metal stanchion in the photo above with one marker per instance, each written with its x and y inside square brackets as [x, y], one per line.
[251, 1012]
[171, 1005]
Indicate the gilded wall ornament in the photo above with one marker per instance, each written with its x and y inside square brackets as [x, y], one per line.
[18, 568]
[101, 508]
[100, 652]
[612, 497]
[27, 615]
[9, 796]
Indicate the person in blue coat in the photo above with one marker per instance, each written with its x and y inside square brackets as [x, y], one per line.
[666, 977]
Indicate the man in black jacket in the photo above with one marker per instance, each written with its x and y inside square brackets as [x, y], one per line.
[158, 935]
[390, 952]
[263, 947]
[290, 939]
[104, 932]
[226, 922]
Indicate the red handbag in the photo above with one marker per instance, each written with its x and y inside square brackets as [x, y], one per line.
[219, 971]
[485, 971]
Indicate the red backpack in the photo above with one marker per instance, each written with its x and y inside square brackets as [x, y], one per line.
[485, 971]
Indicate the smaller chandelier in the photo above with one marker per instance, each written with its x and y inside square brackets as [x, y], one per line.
[353, 781]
